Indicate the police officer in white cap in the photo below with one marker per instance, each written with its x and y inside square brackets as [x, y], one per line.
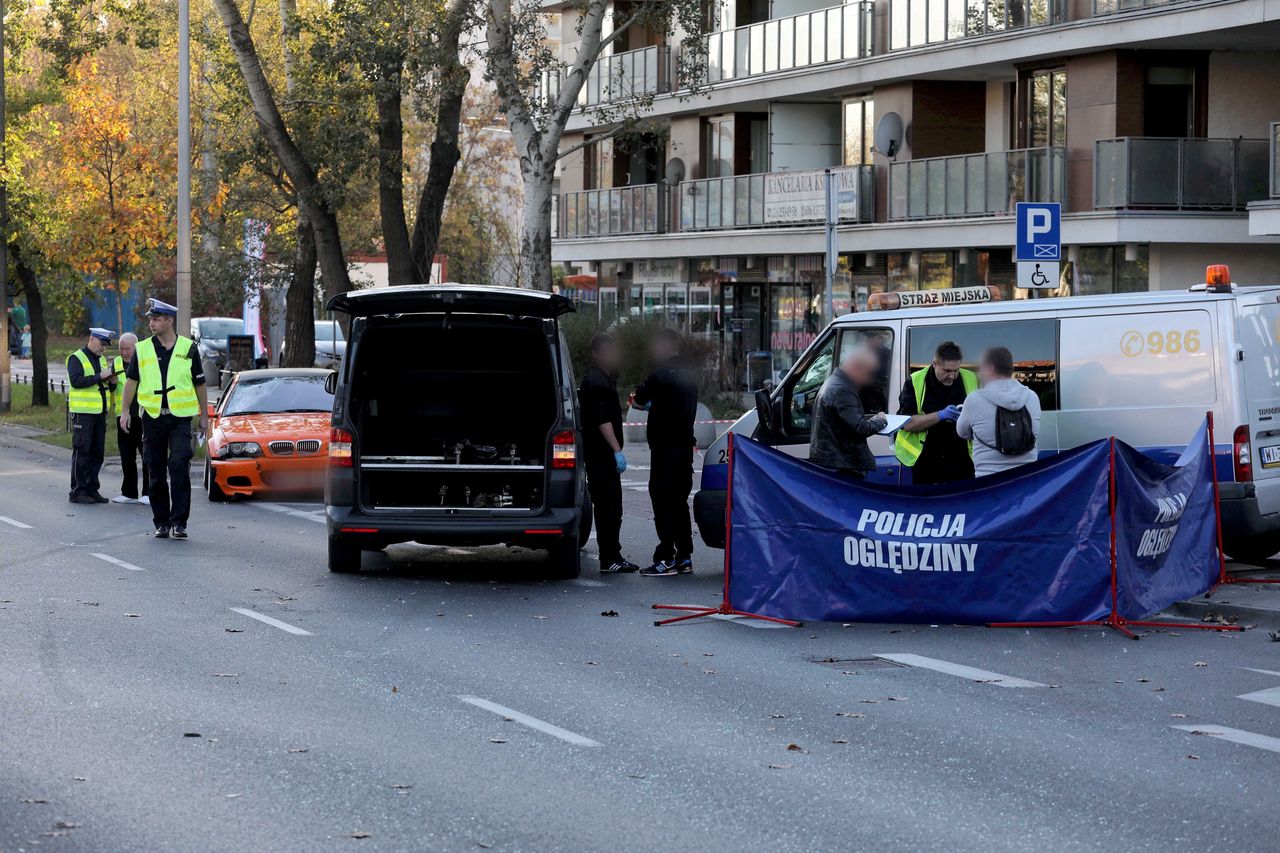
[166, 377]
[91, 380]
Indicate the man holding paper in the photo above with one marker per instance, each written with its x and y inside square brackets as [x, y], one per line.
[840, 426]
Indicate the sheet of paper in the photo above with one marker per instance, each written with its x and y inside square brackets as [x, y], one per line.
[894, 422]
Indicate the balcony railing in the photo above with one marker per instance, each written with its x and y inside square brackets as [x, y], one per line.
[1112, 7]
[1275, 159]
[606, 213]
[966, 185]
[1179, 174]
[915, 23]
[774, 198]
[812, 38]
[618, 77]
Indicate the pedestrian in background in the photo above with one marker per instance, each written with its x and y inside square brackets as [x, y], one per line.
[602, 438]
[26, 342]
[927, 443]
[670, 395]
[129, 439]
[90, 378]
[840, 425]
[1002, 418]
[166, 379]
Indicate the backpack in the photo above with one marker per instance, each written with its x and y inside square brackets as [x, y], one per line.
[1015, 434]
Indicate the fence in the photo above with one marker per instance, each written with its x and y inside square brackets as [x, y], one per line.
[1148, 172]
[988, 184]
[781, 44]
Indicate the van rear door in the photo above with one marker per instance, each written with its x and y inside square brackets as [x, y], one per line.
[462, 298]
[1260, 340]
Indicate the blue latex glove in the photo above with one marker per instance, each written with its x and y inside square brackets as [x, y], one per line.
[620, 460]
[950, 413]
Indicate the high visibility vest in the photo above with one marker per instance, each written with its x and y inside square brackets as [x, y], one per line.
[183, 402]
[88, 400]
[117, 396]
[908, 446]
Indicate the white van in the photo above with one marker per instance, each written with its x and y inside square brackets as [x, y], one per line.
[1143, 367]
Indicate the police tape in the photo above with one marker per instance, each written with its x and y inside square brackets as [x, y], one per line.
[645, 423]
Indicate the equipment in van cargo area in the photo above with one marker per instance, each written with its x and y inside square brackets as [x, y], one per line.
[454, 412]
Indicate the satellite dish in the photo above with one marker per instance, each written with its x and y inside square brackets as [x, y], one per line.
[889, 135]
[675, 170]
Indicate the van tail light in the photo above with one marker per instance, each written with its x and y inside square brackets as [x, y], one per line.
[564, 450]
[339, 448]
[1242, 455]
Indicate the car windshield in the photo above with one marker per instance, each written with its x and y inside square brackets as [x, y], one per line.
[272, 394]
[328, 332]
[218, 330]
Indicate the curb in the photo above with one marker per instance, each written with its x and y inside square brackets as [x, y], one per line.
[8, 437]
[1240, 614]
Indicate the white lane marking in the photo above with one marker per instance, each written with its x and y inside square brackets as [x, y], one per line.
[750, 623]
[1263, 671]
[275, 623]
[121, 563]
[1270, 696]
[1271, 744]
[296, 513]
[588, 582]
[18, 524]
[532, 722]
[960, 670]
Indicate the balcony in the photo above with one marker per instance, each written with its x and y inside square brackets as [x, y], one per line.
[1275, 159]
[916, 23]
[612, 212]
[773, 199]
[1114, 7]
[618, 77]
[970, 185]
[1179, 174]
[799, 41]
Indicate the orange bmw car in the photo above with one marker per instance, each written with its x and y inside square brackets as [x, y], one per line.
[269, 432]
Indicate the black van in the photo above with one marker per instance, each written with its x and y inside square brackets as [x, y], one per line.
[455, 421]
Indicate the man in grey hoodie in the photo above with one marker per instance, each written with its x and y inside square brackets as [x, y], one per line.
[977, 420]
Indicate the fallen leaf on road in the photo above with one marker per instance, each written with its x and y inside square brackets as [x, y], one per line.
[234, 796]
[608, 613]
[234, 630]
[848, 672]
[898, 698]
[395, 689]
[779, 766]
[65, 824]
[191, 734]
[1194, 757]
[1178, 716]
[777, 716]
[708, 672]
[847, 625]
[839, 740]
[57, 833]
[90, 603]
[285, 598]
[400, 787]
[536, 617]
[869, 701]
[226, 675]
[592, 663]
[497, 740]
[1144, 680]
[848, 714]
[708, 654]
[79, 779]
[1157, 689]
[1202, 732]
[132, 615]
[298, 749]
[358, 835]
[1201, 663]
[35, 801]
[794, 747]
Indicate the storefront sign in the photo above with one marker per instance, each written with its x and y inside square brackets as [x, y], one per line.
[950, 296]
[658, 271]
[801, 196]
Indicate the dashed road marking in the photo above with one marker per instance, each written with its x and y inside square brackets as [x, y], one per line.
[587, 582]
[960, 670]
[107, 558]
[750, 623]
[1271, 744]
[315, 515]
[13, 521]
[532, 722]
[275, 623]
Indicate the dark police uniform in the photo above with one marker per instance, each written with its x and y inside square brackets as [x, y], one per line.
[598, 402]
[88, 429]
[166, 441]
[672, 391]
[945, 456]
[130, 440]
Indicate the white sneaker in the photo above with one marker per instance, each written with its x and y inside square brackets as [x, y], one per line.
[122, 499]
[145, 499]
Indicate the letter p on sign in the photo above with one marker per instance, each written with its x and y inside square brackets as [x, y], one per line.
[1038, 231]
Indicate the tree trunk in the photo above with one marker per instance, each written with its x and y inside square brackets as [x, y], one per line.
[333, 264]
[299, 325]
[39, 331]
[445, 152]
[535, 227]
[395, 229]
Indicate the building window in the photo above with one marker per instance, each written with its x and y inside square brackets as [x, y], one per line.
[1103, 269]
[1045, 116]
[597, 160]
[859, 131]
[718, 146]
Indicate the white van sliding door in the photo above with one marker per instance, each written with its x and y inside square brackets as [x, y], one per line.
[1260, 340]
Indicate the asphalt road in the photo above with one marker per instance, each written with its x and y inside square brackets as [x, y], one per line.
[228, 693]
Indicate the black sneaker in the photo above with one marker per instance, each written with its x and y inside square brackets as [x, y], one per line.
[162, 532]
[684, 566]
[180, 532]
[99, 498]
[82, 499]
[660, 569]
[619, 566]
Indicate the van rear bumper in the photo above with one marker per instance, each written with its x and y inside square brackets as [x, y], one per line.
[1240, 514]
[377, 531]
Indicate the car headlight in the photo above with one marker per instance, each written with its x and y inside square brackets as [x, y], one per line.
[240, 448]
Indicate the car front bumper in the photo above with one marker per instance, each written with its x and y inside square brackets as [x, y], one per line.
[264, 474]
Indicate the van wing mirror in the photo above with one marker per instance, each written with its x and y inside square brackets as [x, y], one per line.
[331, 382]
[764, 409]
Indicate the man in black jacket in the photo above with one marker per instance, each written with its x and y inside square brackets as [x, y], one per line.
[602, 438]
[840, 426]
[670, 394]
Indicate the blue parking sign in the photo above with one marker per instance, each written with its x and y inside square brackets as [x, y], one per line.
[1039, 227]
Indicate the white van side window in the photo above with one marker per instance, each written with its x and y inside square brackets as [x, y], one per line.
[1034, 344]
[1126, 361]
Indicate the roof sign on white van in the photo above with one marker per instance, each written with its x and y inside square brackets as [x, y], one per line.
[931, 298]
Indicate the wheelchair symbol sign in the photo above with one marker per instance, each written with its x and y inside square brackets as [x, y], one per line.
[1037, 275]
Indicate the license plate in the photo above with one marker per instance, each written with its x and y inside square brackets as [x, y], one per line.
[1271, 456]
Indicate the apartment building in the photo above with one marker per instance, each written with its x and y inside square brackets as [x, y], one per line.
[1152, 122]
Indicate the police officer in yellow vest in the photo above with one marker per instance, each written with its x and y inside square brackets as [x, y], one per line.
[128, 440]
[91, 380]
[166, 377]
[928, 443]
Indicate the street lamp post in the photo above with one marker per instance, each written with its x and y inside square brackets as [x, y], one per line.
[184, 167]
